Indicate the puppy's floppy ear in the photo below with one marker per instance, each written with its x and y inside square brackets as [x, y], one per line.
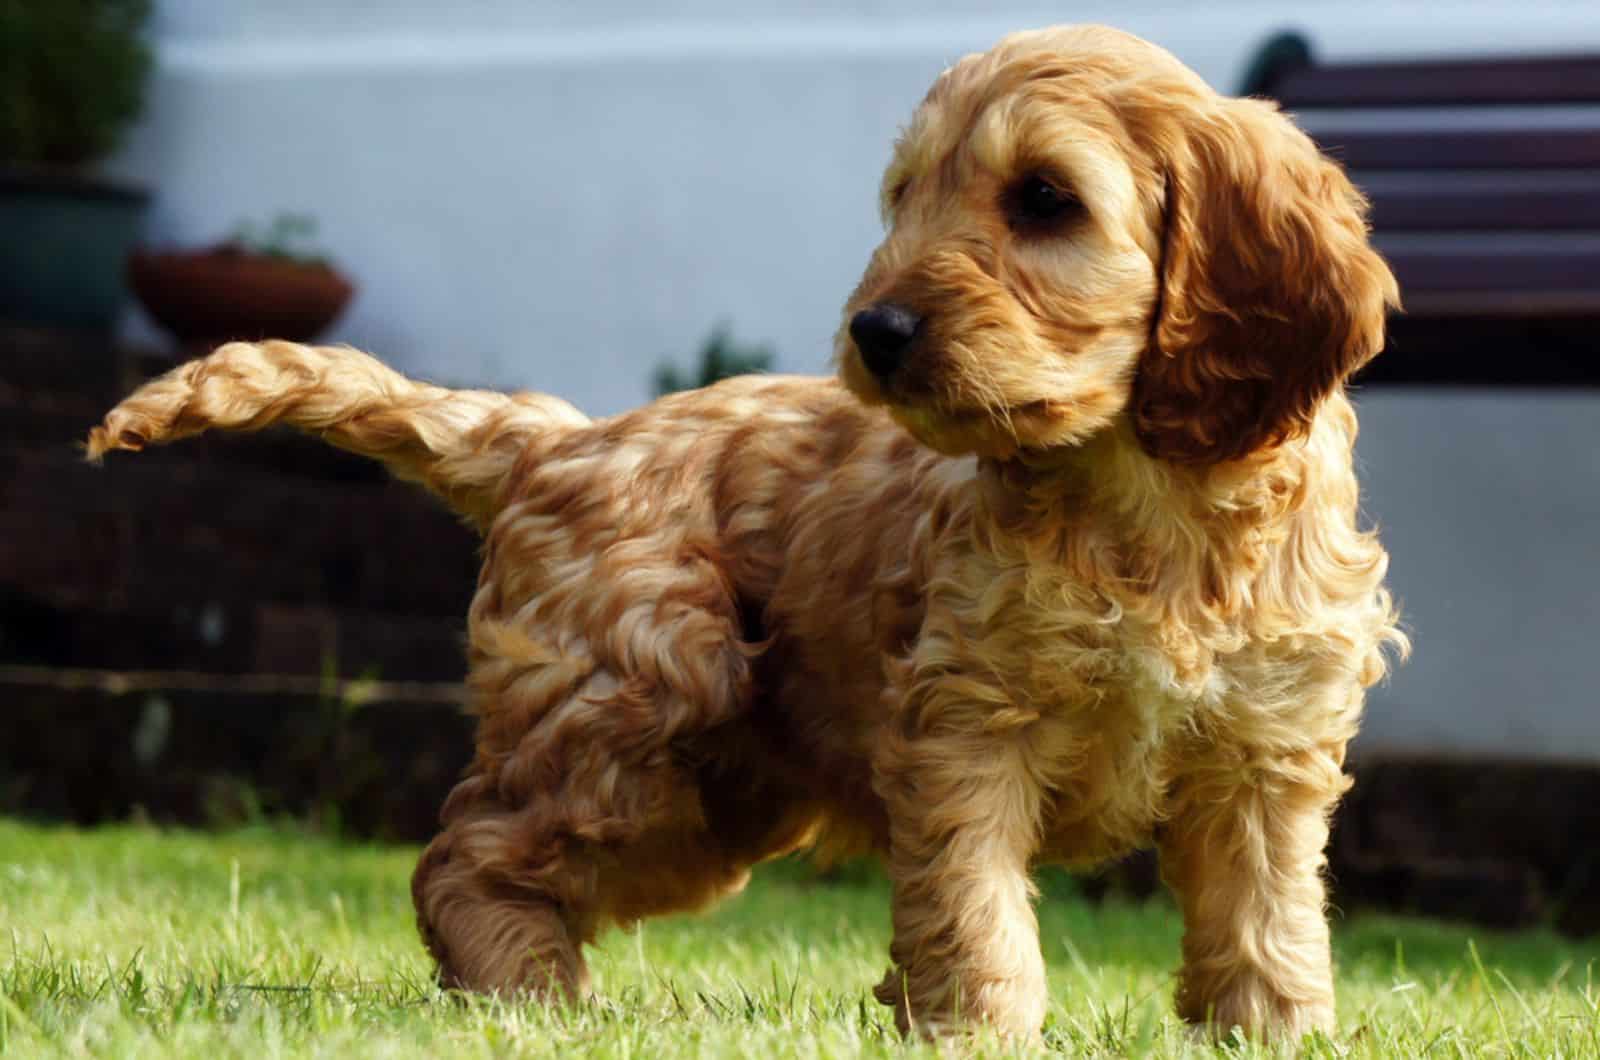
[1270, 294]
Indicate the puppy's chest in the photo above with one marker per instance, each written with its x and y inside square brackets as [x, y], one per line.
[1074, 655]
[1106, 760]
[1107, 708]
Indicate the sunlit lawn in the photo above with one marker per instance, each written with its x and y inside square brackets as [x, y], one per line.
[133, 941]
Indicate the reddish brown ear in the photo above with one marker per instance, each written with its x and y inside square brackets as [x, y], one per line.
[1271, 293]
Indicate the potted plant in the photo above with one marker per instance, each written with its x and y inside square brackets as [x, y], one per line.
[258, 283]
[72, 78]
[720, 358]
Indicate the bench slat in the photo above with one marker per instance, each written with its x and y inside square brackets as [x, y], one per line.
[1489, 148]
[1484, 214]
[1537, 200]
[1486, 267]
[1502, 344]
[1530, 306]
[1556, 79]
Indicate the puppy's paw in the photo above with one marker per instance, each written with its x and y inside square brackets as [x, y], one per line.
[1012, 1008]
[1253, 1009]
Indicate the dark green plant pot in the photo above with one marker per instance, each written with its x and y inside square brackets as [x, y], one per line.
[65, 247]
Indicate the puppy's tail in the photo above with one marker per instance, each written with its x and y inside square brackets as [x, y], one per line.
[461, 444]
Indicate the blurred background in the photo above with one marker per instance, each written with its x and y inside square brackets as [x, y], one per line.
[607, 199]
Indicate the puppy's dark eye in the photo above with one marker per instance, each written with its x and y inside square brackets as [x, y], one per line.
[1036, 201]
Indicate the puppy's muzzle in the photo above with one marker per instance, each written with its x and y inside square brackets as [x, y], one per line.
[883, 332]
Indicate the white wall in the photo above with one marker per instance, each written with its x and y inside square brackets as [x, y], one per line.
[556, 195]
[1489, 504]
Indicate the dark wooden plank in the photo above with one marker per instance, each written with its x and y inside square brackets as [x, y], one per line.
[383, 764]
[1493, 266]
[1549, 79]
[1483, 201]
[1520, 305]
[163, 526]
[1481, 348]
[229, 636]
[63, 364]
[1496, 148]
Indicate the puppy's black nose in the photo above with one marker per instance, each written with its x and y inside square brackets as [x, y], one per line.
[882, 332]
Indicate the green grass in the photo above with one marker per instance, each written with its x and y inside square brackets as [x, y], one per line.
[260, 943]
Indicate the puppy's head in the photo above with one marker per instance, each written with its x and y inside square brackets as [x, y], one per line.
[1079, 229]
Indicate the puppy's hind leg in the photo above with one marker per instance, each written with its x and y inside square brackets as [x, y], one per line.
[507, 897]
[608, 652]
[510, 892]
[583, 805]
[489, 925]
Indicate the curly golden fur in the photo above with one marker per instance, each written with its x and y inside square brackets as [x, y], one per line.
[1119, 593]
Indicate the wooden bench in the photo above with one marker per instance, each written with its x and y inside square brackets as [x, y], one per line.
[1484, 176]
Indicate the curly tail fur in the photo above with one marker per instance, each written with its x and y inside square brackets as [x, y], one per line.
[461, 444]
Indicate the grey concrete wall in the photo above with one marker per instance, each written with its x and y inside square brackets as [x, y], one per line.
[1489, 503]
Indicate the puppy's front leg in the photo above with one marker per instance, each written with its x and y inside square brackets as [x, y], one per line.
[1243, 852]
[963, 819]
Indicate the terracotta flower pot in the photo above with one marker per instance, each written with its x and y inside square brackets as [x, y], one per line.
[222, 293]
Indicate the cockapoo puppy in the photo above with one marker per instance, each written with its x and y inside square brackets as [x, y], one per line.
[1069, 563]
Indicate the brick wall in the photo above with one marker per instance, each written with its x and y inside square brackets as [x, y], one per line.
[172, 625]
